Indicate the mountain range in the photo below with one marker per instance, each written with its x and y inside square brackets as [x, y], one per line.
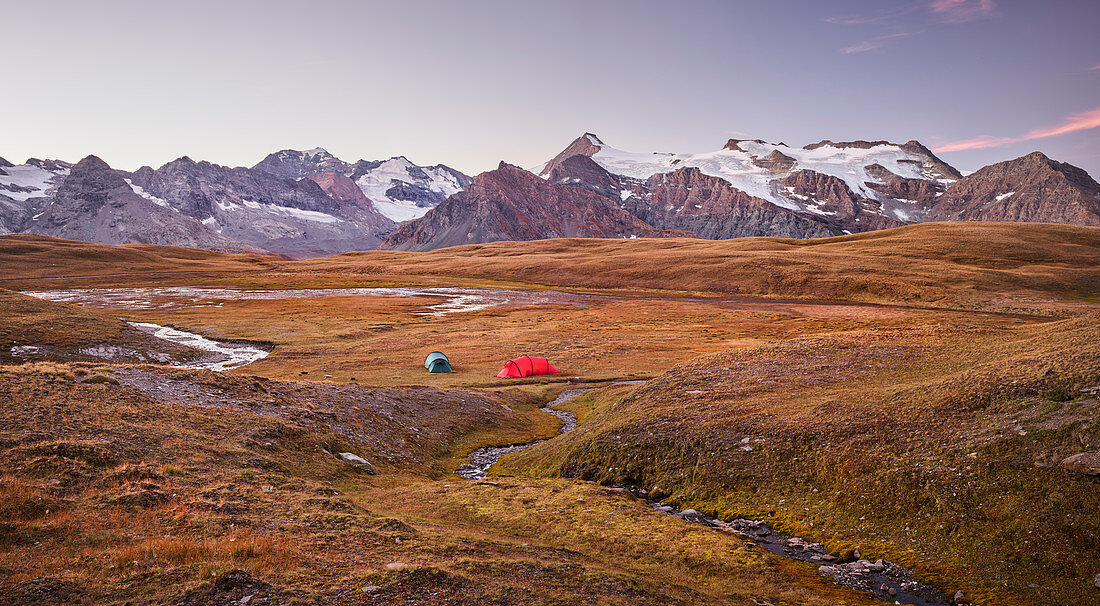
[755, 188]
[293, 203]
[310, 203]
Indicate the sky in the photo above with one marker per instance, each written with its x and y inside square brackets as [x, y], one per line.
[469, 83]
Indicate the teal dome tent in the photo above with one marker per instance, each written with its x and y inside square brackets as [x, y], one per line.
[437, 362]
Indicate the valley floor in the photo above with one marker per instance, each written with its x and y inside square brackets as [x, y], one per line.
[916, 410]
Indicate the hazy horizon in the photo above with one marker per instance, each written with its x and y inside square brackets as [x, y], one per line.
[470, 84]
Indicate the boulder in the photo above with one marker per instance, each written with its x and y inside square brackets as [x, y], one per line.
[357, 461]
[1083, 462]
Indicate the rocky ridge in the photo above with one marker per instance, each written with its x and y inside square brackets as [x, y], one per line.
[311, 203]
[396, 187]
[510, 203]
[1031, 188]
[294, 203]
[756, 188]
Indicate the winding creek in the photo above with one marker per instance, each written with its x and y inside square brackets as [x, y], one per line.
[224, 355]
[884, 580]
[484, 458]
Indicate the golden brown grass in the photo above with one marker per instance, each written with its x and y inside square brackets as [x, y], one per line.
[61, 330]
[940, 264]
[129, 499]
[35, 257]
[383, 341]
[1005, 266]
[936, 447]
[881, 370]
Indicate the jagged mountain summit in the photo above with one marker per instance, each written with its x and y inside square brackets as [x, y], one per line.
[755, 188]
[295, 164]
[311, 203]
[510, 203]
[96, 203]
[751, 187]
[295, 203]
[295, 217]
[397, 188]
[25, 190]
[1029, 188]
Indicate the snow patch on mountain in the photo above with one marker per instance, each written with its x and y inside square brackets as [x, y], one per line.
[148, 196]
[388, 184]
[31, 180]
[756, 167]
[283, 211]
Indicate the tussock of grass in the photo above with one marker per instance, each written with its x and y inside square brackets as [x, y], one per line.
[101, 379]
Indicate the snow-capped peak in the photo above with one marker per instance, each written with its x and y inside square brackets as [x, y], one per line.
[402, 190]
[35, 179]
[740, 163]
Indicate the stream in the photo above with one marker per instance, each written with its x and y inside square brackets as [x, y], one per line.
[224, 355]
[884, 580]
[484, 458]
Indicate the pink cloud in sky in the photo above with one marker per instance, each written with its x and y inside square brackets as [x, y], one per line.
[1076, 122]
[855, 20]
[873, 43]
[962, 11]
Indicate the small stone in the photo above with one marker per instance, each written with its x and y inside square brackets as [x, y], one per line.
[1083, 462]
[371, 589]
[893, 592]
[395, 565]
[1096, 581]
[959, 596]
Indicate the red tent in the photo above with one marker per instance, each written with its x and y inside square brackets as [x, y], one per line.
[525, 366]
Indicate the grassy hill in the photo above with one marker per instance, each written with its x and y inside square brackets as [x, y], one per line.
[938, 447]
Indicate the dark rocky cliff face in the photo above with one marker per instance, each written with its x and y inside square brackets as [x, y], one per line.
[686, 199]
[294, 164]
[195, 188]
[95, 204]
[288, 216]
[510, 203]
[1032, 188]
